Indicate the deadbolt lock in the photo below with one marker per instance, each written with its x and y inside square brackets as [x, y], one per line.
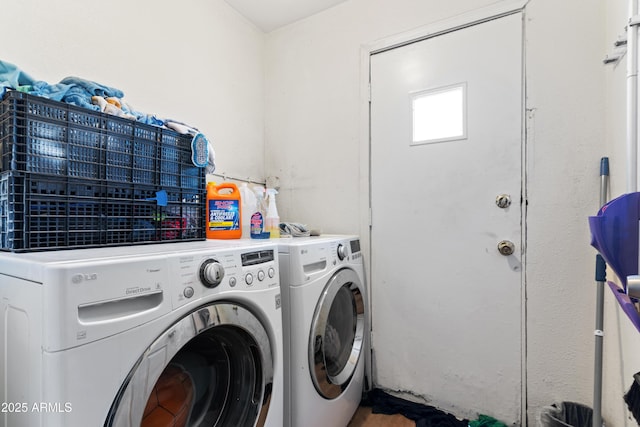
[506, 248]
[503, 201]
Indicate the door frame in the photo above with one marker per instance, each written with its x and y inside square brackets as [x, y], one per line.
[458, 22]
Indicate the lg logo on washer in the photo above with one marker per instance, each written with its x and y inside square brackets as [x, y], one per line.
[79, 278]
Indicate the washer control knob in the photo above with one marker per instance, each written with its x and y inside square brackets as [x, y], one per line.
[211, 273]
[248, 279]
[271, 272]
[342, 252]
[188, 292]
[232, 281]
[261, 275]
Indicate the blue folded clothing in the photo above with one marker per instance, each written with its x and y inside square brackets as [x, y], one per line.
[55, 92]
[80, 92]
[72, 90]
[11, 77]
[92, 88]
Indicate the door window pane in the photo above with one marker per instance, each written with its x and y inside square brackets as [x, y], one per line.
[439, 114]
[340, 332]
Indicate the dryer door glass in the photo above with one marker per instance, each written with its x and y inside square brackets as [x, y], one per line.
[337, 334]
[219, 373]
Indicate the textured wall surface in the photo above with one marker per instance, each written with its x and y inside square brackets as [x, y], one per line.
[198, 62]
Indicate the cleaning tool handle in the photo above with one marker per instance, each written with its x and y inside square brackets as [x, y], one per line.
[604, 180]
[601, 276]
[601, 269]
[604, 166]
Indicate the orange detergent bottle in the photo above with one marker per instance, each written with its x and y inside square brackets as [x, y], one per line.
[224, 215]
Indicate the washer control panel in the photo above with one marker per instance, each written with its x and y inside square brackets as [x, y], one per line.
[258, 266]
[223, 271]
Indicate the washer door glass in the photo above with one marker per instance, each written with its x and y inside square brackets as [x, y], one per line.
[337, 334]
[214, 367]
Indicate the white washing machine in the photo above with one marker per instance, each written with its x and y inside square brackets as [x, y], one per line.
[184, 333]
[324, 315]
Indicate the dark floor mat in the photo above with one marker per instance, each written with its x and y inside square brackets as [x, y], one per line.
[424, 415]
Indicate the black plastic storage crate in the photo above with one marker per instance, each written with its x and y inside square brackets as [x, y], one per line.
[75, 178]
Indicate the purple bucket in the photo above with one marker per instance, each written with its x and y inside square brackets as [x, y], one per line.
[614, 233]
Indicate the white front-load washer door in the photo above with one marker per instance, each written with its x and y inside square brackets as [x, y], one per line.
[337, 333]
[213, 367]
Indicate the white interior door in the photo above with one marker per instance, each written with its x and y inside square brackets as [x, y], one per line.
[446, 141]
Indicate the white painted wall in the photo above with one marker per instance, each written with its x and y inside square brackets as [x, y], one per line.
[198, 62]
[566, 139]
[314, 113]
[621, 341]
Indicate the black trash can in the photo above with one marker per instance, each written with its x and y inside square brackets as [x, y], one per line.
[566, 414]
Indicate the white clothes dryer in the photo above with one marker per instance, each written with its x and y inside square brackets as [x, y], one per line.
[324, 309]
[185, 333]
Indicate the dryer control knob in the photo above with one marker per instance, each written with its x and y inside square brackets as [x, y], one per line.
[211, 273]
[342, 252]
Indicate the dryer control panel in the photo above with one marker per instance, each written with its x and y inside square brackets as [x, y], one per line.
[346, 250]
[349, 247]
[313, 257]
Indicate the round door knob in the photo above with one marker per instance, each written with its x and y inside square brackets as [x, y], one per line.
[506, 248]
[503, 201]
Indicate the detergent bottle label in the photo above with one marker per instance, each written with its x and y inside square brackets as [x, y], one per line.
[257, 224]
[224, 215]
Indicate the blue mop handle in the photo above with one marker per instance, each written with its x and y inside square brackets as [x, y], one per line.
[604, 166]
[601, 265]
[601, 277]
